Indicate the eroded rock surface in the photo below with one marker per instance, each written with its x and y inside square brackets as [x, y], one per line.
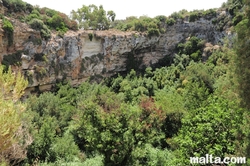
[76, 58]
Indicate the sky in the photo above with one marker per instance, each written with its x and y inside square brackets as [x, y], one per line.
[125, 8]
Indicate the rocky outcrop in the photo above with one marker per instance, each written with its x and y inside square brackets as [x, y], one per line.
[78, 57]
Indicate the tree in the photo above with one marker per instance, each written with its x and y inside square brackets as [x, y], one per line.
[209, 130]
[117, 130]
[12, 87]
[242, 73]
[93, 17]
[243, 59]
[111, 15]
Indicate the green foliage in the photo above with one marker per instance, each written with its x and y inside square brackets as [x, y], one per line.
[243, 59]
[56, 22]
[34, 14]
[193, 16]
[238, 18]
[39, 25]
[50, 117]
[192, 47]
[36, 24]
[45, 32]
[9, 30]
[41, 147]
[90, 36]
[93, 17]
[97, 161]
[115, 132]
[45, 19]
[234, 5]
[17, 6]
[151, 156]
[241, 66]
[160, 117]
[170, 21]
[12, 59]
[111, 15]
[65, 148]
[209, 12]
[48, 105]
[12, 87]
[209, 130]
[177, 15]
[152, 26]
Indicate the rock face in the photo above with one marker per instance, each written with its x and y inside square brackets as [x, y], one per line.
[77, 57]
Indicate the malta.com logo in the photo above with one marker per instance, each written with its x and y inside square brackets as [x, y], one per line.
[210, 159]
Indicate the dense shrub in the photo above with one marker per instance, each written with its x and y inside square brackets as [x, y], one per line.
[12, 59]
[9, 30]
[209, 13]
[90, 36]
[32, 15]
[55, 21]
[45, 32]
[193, 16]
[46, 19]
[238, 18]
[152, 26]
[153, 32]
[170, 21]
[213, 125]
[16, 6]
[176, 15]
[192, 46]
[40, 26]
[36, 24]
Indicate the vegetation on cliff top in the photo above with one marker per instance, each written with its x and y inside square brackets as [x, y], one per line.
[42, 19]
[96, 18]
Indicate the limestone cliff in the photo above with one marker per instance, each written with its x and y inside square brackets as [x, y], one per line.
[77, 56]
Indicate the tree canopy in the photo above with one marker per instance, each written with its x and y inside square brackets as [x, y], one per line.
[93, 17]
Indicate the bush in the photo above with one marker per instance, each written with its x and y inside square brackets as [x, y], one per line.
[39, 25]
[55, 21]
[12, 59]
[65, 148]
[9, 30]
[90, 36]
[97, 161]
[238, 18]
[170, 21]
[153, 26]
[191, 46]
[45, 32]
[150, 156]
[36, 24]
[196, 56]
[50, 12]
[32, 15]
[15, 5]
[210, 12]
[214, 126]
[153, 32]
[193, 16]
[41, 147]
[161, 18]
[176, 15]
